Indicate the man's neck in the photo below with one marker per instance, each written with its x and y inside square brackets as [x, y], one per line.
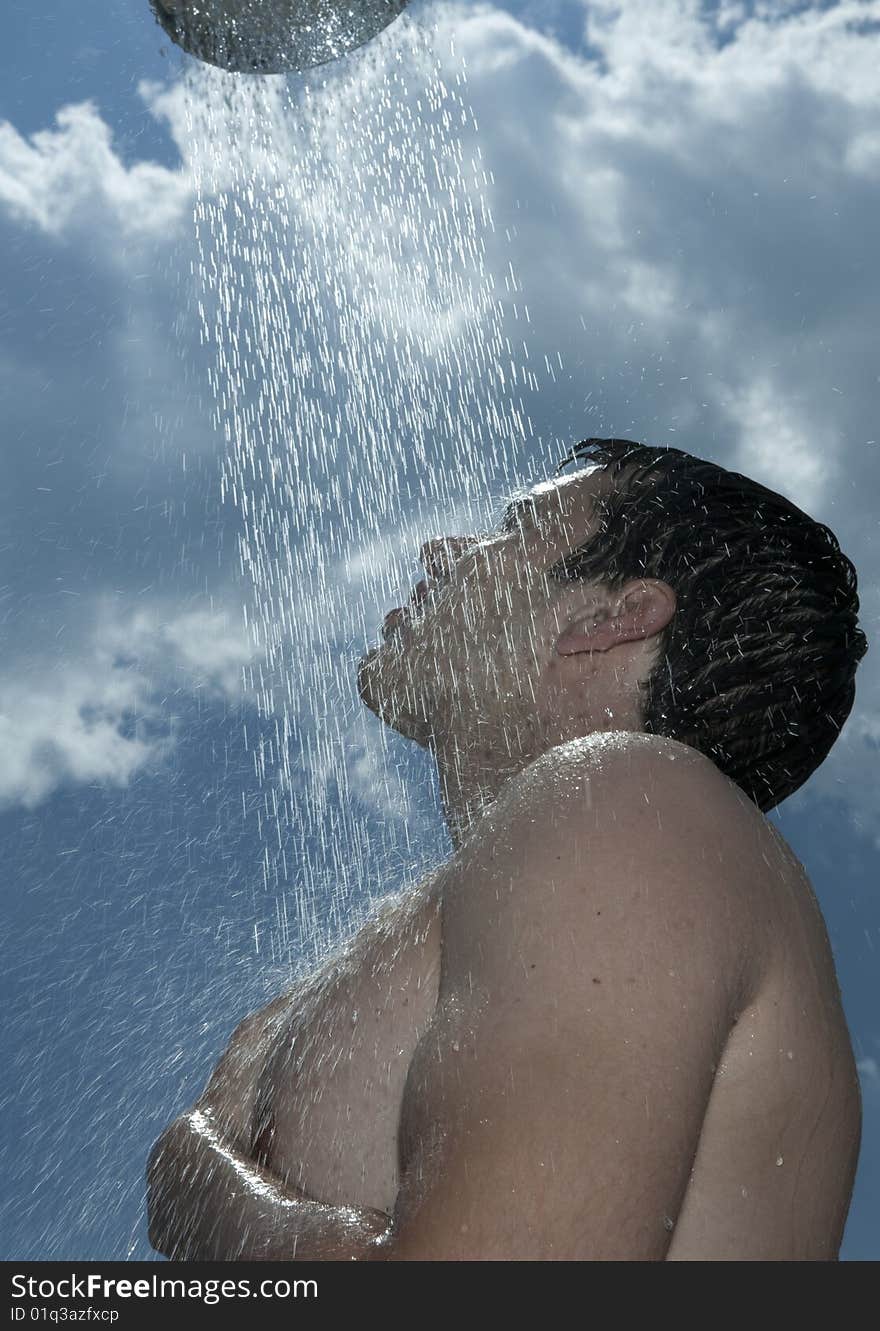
[474, 768]
[470, 782]
[472, 774]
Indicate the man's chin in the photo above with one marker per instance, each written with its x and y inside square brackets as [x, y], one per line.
[369, 678]
[383, 703]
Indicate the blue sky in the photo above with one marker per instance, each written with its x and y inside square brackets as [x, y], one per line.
[661, 227]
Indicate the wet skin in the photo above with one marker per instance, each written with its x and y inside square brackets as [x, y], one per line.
[609, 1027]
[350, 1084]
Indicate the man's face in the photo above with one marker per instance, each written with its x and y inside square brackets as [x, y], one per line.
[475, 647]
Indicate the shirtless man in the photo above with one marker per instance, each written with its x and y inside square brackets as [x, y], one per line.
[609, 1027]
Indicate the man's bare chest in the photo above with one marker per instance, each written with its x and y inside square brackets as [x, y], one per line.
[333, 1083]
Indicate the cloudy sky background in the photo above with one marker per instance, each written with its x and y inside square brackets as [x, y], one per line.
[657, 227]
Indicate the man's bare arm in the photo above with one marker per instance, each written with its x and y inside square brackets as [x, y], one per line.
[209, 1200]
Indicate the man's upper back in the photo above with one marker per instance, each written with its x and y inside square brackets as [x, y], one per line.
[778, 1150]
[638, 1049]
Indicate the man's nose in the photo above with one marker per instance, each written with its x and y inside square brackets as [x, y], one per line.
[439, 554]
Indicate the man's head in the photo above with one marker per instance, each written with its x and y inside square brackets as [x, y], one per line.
[652, 592]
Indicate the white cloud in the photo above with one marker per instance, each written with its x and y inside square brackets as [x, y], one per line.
[204, 649]
[869, 1076]
[829, 49]
[71, 177]
[105, 711]
[376, 785]
[863, 154]
[776, 443]
[68, 727]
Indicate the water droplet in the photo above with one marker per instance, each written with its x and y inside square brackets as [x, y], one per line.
[779, 1159]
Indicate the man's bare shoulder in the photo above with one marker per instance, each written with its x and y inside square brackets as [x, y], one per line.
[590, 797]
[620, 842]
[627, 766]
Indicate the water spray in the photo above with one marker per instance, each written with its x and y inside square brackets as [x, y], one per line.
[273, 36]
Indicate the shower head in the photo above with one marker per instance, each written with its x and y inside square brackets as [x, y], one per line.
[273, 36]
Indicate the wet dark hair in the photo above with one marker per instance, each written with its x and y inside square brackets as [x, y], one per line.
[757, 667]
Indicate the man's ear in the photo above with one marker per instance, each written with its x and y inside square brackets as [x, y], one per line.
[638, 610]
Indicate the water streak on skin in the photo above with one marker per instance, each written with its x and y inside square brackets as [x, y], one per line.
[201, 1124]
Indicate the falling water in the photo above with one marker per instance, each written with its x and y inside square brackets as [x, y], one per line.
[366, 395]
